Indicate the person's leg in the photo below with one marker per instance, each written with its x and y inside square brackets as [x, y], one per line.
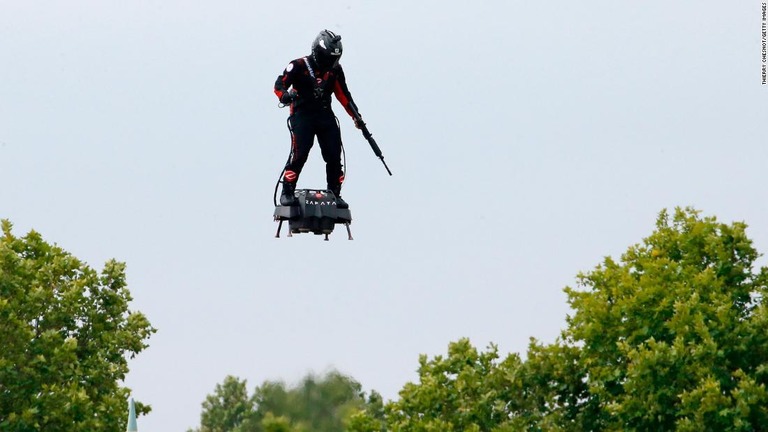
[329, 138]
[302, 138]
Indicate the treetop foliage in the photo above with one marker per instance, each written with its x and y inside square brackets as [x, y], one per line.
[65, 332]
[672, 336]
[316, 404]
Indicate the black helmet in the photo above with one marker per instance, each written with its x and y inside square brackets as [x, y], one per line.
[327, 49]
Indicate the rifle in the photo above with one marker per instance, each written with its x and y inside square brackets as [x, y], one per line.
[367, 134]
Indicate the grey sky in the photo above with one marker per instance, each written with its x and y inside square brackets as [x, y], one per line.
[527, 140]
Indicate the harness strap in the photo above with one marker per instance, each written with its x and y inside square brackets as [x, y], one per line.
[309, 68]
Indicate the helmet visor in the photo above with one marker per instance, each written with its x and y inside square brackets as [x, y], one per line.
[327, 60]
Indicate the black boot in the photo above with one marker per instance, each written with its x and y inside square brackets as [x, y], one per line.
[340, 203]
[288, 198]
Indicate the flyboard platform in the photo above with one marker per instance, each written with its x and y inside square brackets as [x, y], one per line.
[315, 212]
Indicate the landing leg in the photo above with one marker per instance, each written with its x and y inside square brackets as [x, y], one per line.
[279, 225]
[349, 233]
[326, 237]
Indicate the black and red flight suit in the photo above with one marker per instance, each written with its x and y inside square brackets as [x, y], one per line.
[311, 115]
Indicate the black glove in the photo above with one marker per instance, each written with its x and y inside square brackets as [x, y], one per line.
[288, 97]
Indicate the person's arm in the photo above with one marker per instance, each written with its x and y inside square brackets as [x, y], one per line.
[284, 82]
[341, 91]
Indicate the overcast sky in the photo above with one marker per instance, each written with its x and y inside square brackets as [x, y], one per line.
[528, 140]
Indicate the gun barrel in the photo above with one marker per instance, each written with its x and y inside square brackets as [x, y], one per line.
[385, 165]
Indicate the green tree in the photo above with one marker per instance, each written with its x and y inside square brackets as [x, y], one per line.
[369, 418]
[316, 404]
[229, 409]
[463, 392]
[673, 336]
[270, 423]
[65, 331]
